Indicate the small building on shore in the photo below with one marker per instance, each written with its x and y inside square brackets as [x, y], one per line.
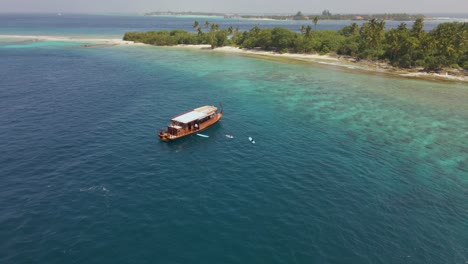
[231, 16]
[358, 18]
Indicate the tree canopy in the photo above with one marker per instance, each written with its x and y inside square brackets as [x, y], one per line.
[444, 46]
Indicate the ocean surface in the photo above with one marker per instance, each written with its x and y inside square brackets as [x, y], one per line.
[347, 167]
[114, 26]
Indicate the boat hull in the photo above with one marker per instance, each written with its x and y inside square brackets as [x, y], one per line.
[165, 136]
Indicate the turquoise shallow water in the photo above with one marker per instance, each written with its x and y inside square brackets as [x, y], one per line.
[347, 168]
[11, 44]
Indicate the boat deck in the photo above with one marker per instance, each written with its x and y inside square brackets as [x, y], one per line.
[195, 114]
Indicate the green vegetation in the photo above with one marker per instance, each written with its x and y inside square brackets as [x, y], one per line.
[215, 37]
[327, 15]
[444, 46]
[299, 16]
[397, 17]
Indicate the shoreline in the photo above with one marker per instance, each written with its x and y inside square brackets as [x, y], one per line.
[329, 59]
[343, 62]
[108, 41]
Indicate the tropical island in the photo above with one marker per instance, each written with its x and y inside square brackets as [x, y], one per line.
[443, 48]
[325, 15]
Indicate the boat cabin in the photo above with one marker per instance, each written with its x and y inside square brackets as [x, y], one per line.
[191, 122]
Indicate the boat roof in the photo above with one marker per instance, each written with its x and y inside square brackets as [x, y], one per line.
[195, 114]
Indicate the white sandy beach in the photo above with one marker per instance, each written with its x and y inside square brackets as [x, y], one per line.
[345, 62]
[78, 39]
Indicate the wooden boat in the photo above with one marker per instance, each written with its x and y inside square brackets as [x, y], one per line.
[191, 122]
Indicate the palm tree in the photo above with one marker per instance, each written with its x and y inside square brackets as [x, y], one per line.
[355, 29]
[418, 27]
[230, 30]
[316, 19]
[214, 27]
[376, 32]
[195, 25]
[393, 39]
[207, 24]
[372, 36]
[255, 30]
[402, 26]
[302, 29]
[307, 30]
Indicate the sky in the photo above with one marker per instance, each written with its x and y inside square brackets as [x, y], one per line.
[236, 6]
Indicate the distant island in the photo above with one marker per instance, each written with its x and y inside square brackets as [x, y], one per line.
[189, 13]
[325, 15]
[444, 47]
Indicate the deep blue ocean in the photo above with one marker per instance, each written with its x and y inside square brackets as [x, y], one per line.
[348, 167]
[115, 26]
